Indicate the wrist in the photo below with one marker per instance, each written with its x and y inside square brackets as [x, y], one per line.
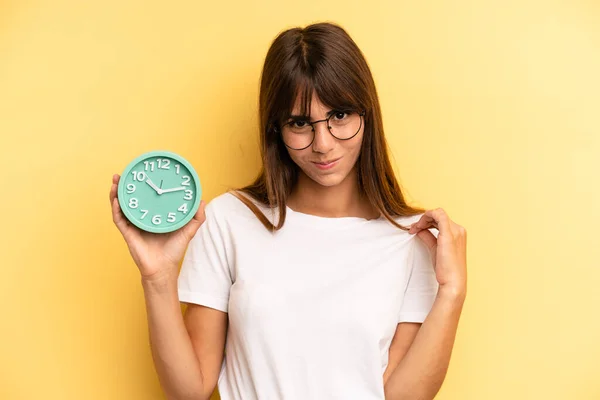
[160, 281]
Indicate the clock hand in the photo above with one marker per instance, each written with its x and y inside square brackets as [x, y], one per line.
[153, 186]
[173, 189]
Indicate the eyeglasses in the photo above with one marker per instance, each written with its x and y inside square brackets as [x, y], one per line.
[299, 133]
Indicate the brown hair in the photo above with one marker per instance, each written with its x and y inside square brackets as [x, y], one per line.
[321, 57]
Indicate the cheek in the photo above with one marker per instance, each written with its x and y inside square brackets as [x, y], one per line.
[350, 150]
[353, 150]
[296, 156]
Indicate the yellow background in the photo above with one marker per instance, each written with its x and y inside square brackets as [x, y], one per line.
[491, 108]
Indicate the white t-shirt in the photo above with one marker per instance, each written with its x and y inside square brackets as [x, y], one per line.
[313, 307]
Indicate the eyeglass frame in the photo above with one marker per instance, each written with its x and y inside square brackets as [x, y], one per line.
[312, 126]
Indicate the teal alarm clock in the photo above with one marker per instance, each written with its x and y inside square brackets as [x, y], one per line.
[159, 191]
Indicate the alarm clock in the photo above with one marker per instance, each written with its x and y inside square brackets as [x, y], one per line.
[159, 191]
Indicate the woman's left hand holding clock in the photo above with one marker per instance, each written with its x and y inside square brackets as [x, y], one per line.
[157, 256]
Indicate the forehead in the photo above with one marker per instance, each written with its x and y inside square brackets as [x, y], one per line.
[316, 106]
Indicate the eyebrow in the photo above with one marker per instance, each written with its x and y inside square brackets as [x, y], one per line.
[296, 117]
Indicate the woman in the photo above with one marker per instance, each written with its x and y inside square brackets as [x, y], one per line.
[306, 284]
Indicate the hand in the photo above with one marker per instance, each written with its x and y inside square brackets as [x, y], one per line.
[449, 250]
[155, 254]
[172, 190]
[153, 186]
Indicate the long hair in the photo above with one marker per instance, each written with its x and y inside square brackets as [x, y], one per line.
[321, 57]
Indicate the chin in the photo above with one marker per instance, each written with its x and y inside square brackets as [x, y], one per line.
[327, 179]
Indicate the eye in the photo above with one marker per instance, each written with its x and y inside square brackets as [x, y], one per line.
[298, 123]
[339, 115]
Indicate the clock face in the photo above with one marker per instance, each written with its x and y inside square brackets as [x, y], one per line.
[159, 192]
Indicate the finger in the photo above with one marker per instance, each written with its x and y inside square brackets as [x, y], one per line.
[441, 219]
[118, 218]
[192, 227]
[113, 187]
[428, 238]
[436, 218]
[425, 222]
[113, 192]
[117, 214]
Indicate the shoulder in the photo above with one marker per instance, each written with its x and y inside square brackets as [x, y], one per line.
[227, 207]
[222, 203]
[408, 219]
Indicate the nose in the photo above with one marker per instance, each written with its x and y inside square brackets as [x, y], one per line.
[324, 140]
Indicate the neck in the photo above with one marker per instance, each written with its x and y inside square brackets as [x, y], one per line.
[342, 200]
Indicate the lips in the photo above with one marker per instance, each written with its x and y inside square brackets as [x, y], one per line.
[326, 162]
[327, 165]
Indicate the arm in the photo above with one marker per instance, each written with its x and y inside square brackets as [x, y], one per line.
[403, 338]
[187, 364]
[187, 353]
[421, 372]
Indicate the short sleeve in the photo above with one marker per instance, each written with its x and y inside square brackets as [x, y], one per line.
[422, 284]
[205, 275]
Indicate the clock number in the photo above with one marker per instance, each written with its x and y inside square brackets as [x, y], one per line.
[156, 220]
[151, 163]
[130, 188]
[139, 176]
[177, 168]
[133, 202]
[183, 208]
[186, 181]
[145, 212]
[166, 161]
[171, 217]
[188, 193]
